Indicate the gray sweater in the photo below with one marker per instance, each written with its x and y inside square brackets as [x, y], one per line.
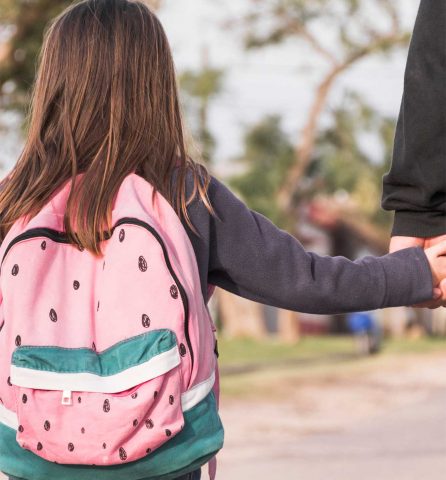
[243, 252]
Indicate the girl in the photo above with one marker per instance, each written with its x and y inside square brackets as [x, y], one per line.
[105, 105]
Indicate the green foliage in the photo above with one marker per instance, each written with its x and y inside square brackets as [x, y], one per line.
[352, 22]
[267, 157]
[28, 19]
[341, 161]
[8, 10]
[199, 88]
[339, 158]
[206, 83]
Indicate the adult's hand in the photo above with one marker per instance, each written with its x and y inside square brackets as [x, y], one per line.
[399, 242]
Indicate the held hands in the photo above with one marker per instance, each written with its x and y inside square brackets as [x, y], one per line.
[435, 249]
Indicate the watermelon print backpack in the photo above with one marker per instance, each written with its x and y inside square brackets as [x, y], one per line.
[108, 367]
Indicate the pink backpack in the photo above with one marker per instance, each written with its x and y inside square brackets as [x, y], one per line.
[108, 365]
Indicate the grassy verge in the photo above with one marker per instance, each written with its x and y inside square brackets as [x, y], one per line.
[248, 366]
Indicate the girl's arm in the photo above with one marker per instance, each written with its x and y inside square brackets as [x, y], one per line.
[246, 254]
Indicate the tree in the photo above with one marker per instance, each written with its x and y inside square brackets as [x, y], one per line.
[22, 23]
[26, 21]
[342, 184]
[341, 160]
[200, 87]
[267, 156]
[353, 36]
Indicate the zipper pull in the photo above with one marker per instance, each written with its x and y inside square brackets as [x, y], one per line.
[66, 397]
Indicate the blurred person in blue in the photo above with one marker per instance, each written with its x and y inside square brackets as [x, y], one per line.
[366, 330]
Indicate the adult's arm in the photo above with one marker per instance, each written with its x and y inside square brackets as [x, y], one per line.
[415, 186]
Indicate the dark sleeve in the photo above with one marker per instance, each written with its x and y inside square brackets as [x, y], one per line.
[415, 186]
[249, 256]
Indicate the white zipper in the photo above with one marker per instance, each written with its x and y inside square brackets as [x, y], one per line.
[67, 397]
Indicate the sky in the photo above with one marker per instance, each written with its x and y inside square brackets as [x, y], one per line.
[256, 84]
[270, 81]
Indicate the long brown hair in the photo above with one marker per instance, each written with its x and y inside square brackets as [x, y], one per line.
[105, 104]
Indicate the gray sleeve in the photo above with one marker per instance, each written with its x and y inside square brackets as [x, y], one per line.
[249, 256]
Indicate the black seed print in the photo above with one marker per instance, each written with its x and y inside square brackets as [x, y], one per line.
[39, 446]
[148, 450]
[122, 454]
[134, 395]
[135, 422]
[15, 270]
[46, 425]
[93, 346]
[168, 432]
[18, 340]
[174, 291]
[104, 446]
[82, 430]
[70, 447]
[149, 423]
[145, 320]
[171, 399]
[24, 398]
[9, 381]
[21, 428]
[79, 400]
[43, 245]
[155, 394]
[76, 284]
[182, 349]
[106, 406]
[121, 235]
[53, 315]
[97, 308]
[142, 263]
[2, 325]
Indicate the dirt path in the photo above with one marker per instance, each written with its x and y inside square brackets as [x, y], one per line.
[383, 424]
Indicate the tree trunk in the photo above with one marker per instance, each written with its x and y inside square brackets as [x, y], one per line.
[240, 317]
[305, 147]
[288, 326]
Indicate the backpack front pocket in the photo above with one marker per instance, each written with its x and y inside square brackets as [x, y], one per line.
[78, 406]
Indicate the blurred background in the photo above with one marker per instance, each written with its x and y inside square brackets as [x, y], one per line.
[293, 105]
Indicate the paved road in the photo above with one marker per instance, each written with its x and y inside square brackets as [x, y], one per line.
[407, 443]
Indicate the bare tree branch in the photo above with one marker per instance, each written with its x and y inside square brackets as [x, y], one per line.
[304, 149]
[390, 7]
[299, 29]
